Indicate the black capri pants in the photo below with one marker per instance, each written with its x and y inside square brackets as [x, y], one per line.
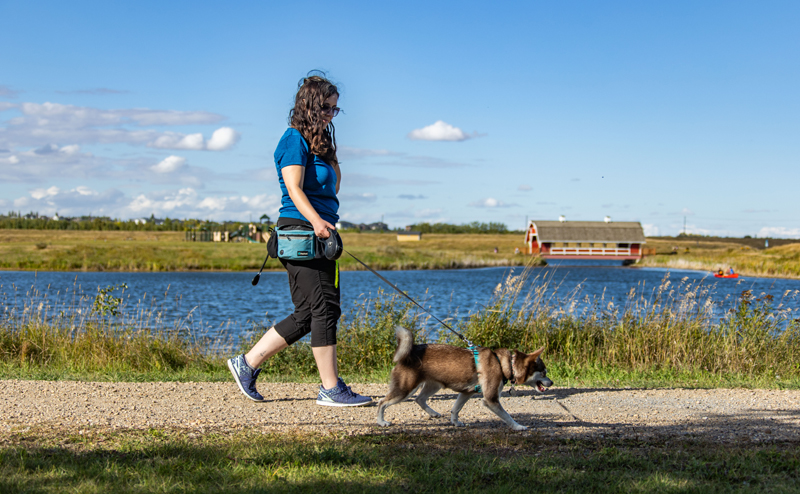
[315, 295]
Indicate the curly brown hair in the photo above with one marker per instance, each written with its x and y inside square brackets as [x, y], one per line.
[312, 91]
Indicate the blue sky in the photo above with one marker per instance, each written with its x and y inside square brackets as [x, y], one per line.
[453, 111]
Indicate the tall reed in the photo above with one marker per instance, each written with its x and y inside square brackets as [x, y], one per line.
[75, 333]
[677, 327]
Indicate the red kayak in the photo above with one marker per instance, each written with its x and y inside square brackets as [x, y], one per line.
[734, 275]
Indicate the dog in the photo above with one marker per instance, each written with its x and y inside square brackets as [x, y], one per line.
[436, 366]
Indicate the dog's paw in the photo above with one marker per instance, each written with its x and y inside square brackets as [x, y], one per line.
[458, 423]
[384, 423]
[434, 415]
[518, 427]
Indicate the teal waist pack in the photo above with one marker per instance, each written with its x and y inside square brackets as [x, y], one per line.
[295, 244]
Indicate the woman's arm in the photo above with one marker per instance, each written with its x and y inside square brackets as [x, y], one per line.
[293, 178]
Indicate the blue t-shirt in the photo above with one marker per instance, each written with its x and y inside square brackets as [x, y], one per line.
[319, 183]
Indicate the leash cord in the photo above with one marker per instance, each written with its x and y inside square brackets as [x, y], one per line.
[469, 343]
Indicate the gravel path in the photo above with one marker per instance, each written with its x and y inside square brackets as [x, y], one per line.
[725, 415]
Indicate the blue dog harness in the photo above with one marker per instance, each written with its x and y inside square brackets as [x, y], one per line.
[474, 351]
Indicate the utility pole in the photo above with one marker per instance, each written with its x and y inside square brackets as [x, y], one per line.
[684, 225]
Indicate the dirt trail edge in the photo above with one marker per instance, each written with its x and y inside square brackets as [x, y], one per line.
[723, 415]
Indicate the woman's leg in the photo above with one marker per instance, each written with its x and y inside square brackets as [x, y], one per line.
[316, 297]
[326, 363]
[269, 344]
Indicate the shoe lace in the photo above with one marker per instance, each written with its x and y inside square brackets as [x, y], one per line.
[347, 391]
[252, 384]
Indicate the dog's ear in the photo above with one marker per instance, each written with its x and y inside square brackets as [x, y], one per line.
[536, 354]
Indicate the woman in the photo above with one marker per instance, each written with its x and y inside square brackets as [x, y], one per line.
[309, 176]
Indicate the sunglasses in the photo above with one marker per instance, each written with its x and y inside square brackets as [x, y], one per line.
[331, 110]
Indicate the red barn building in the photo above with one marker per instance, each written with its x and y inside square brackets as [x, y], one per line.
[585, 239]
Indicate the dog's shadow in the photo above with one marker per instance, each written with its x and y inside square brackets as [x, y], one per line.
[557, 393]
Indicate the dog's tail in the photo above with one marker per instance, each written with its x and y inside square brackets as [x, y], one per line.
[405, 340]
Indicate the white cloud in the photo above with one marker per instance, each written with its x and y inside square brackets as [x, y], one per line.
[241, 204]
[188, 203]
[162, 202]
[7, 92]
[524, 187]
[490, 202]
[345, 152]
[100, 91]
[84, 191]
[4, 105]
[427, 213]
[360, 180]
[169, 164]
[365, 197]
[50, 161]
[440, 131]
[687, 212]
[41, 193]
[79, 201]
[222, 139]
[423, 162]
[46, 123]
[650, 230]
[779, 232]
[48, 113]
[173, 140]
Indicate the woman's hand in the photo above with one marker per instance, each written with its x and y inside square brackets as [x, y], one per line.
[321, 228]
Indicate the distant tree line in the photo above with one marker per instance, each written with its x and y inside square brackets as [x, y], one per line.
[474, 227]
[33, 221]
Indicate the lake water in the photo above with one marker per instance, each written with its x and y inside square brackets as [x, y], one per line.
[213, 304]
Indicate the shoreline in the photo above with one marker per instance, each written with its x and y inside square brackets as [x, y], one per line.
[742, 274]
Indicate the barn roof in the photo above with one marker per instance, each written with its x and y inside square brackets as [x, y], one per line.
[590, 231]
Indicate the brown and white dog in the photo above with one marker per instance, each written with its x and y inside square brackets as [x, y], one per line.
[438, 366]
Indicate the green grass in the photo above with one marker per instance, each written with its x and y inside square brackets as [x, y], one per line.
[49, 250]
[57, 250]
[156, 460]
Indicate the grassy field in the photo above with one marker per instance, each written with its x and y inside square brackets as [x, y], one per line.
[156, 460]
[56, 250]
[48, 250]
[710, 255]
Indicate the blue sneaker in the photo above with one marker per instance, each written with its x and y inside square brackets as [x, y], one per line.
[245, 377]
[341, 396]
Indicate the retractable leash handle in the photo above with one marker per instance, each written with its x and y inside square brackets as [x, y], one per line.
[332, 246]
